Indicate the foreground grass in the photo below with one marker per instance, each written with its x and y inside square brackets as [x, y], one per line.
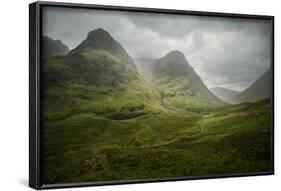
[91, 147]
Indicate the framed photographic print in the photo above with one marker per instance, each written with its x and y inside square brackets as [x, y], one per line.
[130, 95]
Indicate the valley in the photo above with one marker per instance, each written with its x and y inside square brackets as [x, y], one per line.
[104, 120]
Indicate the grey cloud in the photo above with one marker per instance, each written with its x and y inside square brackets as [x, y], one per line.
[225, 52]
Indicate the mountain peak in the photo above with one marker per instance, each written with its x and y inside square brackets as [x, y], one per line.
[101, 39]
[175, 53]
[176, 57]
[173, 64]
[98, 38]
[100, 34]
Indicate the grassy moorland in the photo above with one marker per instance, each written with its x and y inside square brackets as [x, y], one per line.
[102, 121]
[95, 145]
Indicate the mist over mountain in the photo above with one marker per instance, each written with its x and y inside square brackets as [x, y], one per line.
[53, 47]
[224, 93]
[260, 89]
[145, 67]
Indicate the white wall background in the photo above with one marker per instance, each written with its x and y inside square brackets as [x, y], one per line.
[14, 94]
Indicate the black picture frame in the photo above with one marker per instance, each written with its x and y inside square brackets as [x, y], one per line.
[35, 60]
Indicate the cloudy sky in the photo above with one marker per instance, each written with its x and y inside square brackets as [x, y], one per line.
[230, 53]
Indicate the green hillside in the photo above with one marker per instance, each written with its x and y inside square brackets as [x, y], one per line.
[93, 79]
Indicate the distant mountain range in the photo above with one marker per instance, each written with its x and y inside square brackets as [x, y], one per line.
[260, 89]
[224, 93]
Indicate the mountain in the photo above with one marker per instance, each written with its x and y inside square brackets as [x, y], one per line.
[180, 85]
[100, 39]
[173, 64]
[98, 76]
[260, 89]
[224, 93]
[145, 67]
[53, 47]
[101, 60]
